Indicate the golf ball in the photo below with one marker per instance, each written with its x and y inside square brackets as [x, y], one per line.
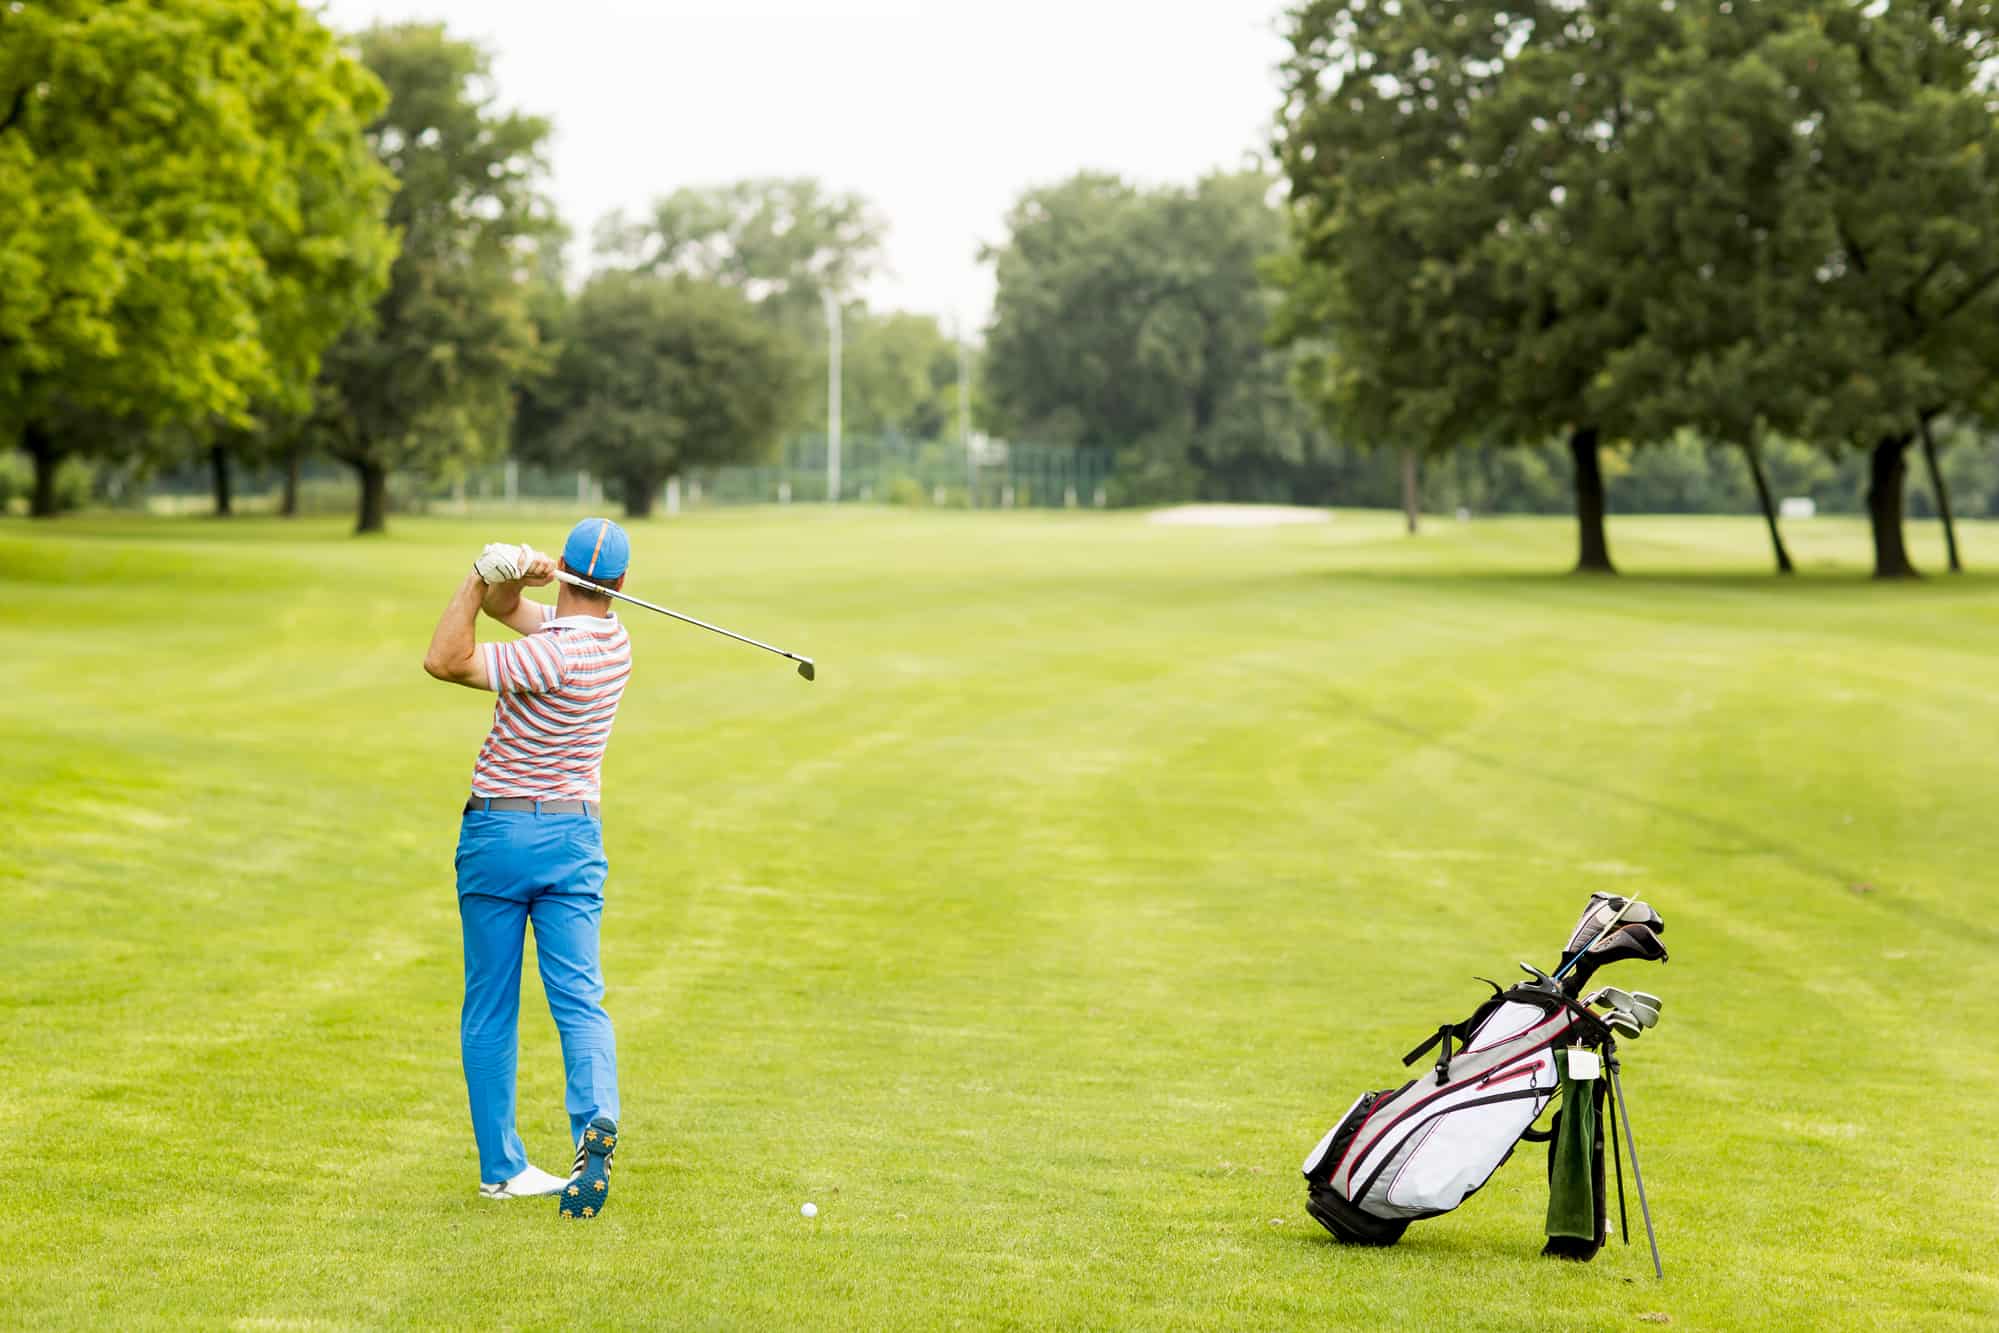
[809, 1210]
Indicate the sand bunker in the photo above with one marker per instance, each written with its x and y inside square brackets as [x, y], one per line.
[1239, 516]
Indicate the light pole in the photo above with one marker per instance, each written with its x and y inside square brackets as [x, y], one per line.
[832, 304]
[965, 418]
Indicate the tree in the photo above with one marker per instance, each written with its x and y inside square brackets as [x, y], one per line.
[429, 378]
[1717, 195]
[781, 242]
[1907, 176]
[1394, 310]
[1133, 319]
[899, 374]
[1620, 218]
[190, 215]
[786, 243]
[656, 375]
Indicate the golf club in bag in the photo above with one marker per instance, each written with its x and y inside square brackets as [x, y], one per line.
[1403, 1154]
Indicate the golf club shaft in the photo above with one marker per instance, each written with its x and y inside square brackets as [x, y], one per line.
[598, 588]
[1631, 1146]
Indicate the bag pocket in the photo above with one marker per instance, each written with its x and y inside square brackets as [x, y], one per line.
[1458, 1149]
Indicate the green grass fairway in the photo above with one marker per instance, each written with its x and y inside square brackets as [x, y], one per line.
[1035, 943]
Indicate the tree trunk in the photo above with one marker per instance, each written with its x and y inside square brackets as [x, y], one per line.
[42, 448]
[640, 492]
[1884, 509]
[1769, 506]
[218, 461]
[1412, 506]
[374, 498]
[1943, 497]
[288, 507]
[1593, 550]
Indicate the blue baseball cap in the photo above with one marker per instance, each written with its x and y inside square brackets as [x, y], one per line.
[597, 549]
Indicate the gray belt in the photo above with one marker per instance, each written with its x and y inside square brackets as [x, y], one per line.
[530, 803]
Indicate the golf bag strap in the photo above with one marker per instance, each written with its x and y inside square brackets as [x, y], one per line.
[1444, 1033]
[1461, 1030]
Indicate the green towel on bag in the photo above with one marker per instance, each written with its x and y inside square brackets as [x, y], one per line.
[1572, 1159]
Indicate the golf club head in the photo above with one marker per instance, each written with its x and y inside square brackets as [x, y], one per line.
[1624, 1004]
[1636, 1004]
[1643, 1015]
[1540, 977]
[806, 669]
[1623, 1024]
[1610, 997]
[1627, 941]
[1602, 909]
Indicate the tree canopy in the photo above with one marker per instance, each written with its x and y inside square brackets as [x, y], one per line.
[429, 377]
[190, 209]
[657, 374]
[1133, 319]
[900, 374]
[781, 242]
[1613, 220]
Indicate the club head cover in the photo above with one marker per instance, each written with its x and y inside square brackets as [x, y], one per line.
[1602, 910]
[1632, 940]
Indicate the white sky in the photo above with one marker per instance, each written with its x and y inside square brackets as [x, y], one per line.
[940, 111]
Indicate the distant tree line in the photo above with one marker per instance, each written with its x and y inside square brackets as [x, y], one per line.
[1615, 256]
[231, 234]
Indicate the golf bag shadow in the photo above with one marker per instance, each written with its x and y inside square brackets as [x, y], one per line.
[1403, 1154]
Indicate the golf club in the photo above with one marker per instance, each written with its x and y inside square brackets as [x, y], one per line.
[805, 667]
[1623, 1024]
[1645, 1010]
[1633, 939]
[1609, 926]
[1605, 909]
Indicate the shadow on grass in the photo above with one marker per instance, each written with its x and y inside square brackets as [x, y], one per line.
[1843, 581]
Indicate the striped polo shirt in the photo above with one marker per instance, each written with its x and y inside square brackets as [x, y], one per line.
[559, 689]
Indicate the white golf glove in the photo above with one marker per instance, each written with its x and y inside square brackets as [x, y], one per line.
[502, 562]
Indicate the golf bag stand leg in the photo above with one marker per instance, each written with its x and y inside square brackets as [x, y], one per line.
[1631, 1146]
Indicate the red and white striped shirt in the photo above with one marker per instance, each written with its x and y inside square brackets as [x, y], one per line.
[559, 689]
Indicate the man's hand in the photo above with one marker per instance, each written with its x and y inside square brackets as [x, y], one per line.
[539, 571]
[502, 562]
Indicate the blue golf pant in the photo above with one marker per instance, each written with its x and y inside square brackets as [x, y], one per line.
[516, 867]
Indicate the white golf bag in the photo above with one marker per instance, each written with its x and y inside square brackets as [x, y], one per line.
[1424, 1148]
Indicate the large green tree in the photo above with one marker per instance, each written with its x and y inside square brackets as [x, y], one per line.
[428, 379]
[189, 215]
[1133, 319]
[655, 375]
[1398, 317]
[1906, 175]
[1814, 192]
[1620, 218]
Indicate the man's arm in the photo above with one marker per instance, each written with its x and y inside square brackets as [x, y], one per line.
[454, 650]
[503, 600]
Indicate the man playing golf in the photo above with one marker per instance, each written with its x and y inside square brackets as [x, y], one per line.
[531, 849]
